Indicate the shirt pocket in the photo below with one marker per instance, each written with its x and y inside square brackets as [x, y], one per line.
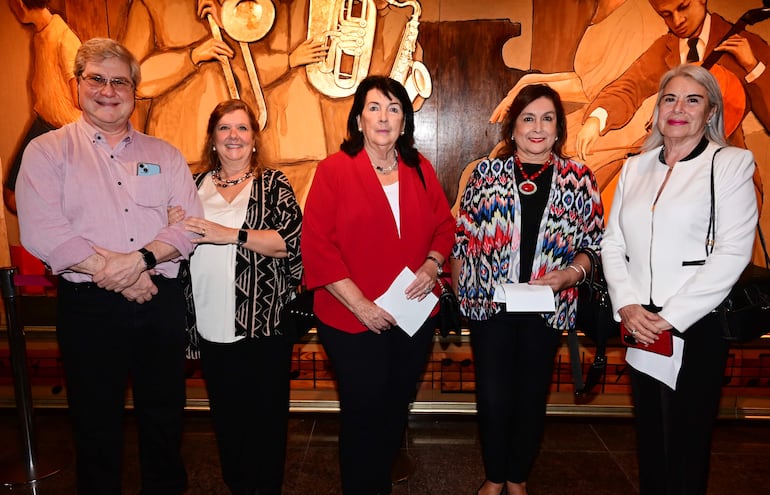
[148, 191]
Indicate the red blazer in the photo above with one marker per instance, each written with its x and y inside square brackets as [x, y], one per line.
[348, 230]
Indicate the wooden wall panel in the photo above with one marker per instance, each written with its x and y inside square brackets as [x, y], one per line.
[453, 125]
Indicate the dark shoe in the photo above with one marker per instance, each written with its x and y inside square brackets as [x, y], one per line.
[502, 488]
[403, 468]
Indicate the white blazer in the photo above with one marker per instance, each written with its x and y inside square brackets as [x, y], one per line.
[659, 255]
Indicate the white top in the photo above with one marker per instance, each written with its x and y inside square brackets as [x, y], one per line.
[212, 267]
[391, 192]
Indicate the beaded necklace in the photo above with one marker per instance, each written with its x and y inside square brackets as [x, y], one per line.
[527, 186]
[393, 166]
[218, 181]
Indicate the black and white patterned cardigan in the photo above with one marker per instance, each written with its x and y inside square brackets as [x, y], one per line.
[263, 284]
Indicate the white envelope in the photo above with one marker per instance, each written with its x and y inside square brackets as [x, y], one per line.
[525, 298]
[410, 314]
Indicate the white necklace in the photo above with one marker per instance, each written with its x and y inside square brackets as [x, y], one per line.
[390, 168]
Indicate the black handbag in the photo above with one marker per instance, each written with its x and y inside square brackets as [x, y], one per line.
[594, 318]
[744, 315]
[448, 310]
[297, 316]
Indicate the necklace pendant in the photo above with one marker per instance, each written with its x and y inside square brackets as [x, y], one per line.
[528, 188]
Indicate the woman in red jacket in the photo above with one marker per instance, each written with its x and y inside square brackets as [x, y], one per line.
[373, 209]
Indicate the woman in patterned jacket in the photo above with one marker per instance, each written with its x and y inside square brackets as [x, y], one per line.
[523, 216]
[245, 268]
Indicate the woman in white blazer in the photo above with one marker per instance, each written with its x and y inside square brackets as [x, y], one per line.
[661, 278]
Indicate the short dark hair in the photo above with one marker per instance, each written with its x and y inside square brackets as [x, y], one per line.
[36, 4]
[391, 88]
[527, 95]
[209, 156]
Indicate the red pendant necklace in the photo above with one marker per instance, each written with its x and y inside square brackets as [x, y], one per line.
[527, 186]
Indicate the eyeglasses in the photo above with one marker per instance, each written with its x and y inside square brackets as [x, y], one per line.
[120, 84]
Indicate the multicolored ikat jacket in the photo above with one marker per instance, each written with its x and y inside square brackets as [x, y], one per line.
[487, 235]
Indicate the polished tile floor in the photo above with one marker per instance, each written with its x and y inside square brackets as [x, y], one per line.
[580, 456]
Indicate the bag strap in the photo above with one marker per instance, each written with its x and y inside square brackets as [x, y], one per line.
[711, 232]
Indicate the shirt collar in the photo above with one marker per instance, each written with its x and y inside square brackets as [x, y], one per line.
[703, 38]
[96, 136]
[700, 148]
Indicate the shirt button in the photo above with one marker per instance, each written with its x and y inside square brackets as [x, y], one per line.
[120, 183]
[131, 239]
[112, 157]
[125, 210]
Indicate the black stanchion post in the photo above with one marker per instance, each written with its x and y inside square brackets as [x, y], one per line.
[28, 471]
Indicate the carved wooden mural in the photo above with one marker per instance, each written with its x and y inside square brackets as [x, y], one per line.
[298, 62]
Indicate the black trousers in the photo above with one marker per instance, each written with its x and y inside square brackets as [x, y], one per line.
[105, 339]
[674, 427]
[513, 357]
[248, 387]
[377, 379]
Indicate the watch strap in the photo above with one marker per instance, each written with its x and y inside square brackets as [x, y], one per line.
[149, 258]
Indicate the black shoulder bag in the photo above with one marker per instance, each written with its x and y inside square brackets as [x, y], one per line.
[744, 315]
[594, 319]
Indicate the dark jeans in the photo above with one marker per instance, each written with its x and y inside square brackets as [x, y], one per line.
[674, 427]
[377, 379]
[513, 357]
[105, 339]
[248, 387]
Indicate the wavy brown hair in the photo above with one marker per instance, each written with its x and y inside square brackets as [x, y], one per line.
[209, 157]
[527, 95]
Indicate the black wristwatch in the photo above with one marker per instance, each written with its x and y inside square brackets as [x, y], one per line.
[243, 237]
[149, 258]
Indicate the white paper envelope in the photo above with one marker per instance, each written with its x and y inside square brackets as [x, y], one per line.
[410, 314]
[525, 298]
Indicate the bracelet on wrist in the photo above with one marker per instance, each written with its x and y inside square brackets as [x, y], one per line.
[580, 271]
[439, 265]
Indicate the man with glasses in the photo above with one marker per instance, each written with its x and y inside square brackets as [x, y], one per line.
[92, 203]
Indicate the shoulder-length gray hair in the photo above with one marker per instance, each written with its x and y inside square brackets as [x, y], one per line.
[715, 130]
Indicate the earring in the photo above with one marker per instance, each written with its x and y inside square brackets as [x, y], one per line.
[254, 149]
[213, 148]
[402, 131]
[556, 139]
[359, 128]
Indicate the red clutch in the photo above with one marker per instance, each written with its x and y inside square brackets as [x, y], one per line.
[664, 345]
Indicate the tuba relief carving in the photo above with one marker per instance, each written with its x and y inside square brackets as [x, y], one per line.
[348, 26]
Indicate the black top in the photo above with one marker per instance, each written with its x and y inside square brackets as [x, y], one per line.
[532, 208]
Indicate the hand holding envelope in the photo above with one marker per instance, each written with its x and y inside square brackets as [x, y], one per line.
[525, 298]
[410, 314]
